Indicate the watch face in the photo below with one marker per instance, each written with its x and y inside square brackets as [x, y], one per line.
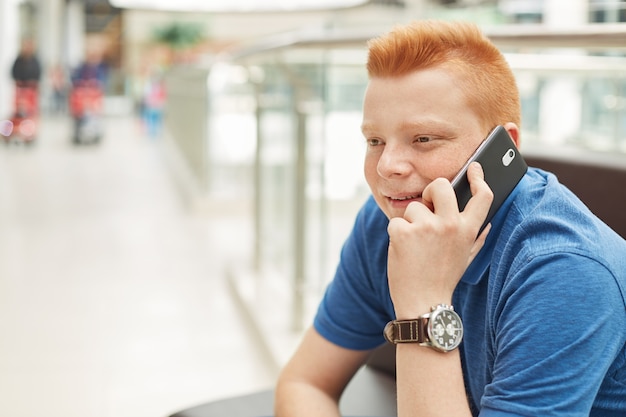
[445, 329]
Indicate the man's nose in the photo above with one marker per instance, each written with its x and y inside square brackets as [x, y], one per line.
[394, 162]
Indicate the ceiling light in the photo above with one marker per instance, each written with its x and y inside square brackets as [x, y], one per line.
[233, 6]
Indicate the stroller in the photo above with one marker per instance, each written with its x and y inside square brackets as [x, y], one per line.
[22, 126]
[86, 107]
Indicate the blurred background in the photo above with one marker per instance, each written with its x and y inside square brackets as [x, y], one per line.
[177, 177]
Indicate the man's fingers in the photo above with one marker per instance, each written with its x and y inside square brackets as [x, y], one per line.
[479, 243]
[440, 198]
[482, 195]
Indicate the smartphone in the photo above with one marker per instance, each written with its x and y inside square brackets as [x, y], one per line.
[503, 165]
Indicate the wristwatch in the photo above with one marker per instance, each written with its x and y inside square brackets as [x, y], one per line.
[441, 329]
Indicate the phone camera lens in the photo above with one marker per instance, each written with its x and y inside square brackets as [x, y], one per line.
[508, 157]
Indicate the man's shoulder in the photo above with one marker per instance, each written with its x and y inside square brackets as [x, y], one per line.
[546, 202]
[371, 216]
[369, 235]
[547, 218]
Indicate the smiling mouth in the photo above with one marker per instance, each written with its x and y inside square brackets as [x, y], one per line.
[408, 197]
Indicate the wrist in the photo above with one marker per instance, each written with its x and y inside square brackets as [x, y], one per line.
[420, 307]
[441, 329]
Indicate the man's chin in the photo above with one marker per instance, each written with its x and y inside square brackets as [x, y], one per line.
[392, 212]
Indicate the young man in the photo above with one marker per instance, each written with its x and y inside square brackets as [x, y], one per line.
[541, 293]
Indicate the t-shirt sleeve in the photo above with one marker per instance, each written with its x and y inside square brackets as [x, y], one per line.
[355, 306]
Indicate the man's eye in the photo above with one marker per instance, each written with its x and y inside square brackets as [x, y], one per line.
[374, 142]
[422, 139]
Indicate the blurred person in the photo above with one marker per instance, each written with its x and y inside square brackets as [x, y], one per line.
[541, 292]
[59, 81]
[26, 69]
[26, 72]
[93, 70]
[153, 102]
[86, 99]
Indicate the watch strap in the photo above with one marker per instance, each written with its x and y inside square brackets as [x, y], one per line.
[407, 331]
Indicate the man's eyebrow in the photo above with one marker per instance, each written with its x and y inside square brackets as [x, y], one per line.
[426, 125]
[367, 127]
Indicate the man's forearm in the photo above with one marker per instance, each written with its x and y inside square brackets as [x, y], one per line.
[430, 383]
[294, 399]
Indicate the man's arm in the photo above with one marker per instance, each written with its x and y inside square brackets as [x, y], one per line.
[314, 379]
[430, 383]
[429, 250]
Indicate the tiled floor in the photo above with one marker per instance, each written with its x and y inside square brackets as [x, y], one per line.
[113, 301]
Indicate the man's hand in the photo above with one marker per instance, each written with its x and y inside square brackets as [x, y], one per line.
[433, 244]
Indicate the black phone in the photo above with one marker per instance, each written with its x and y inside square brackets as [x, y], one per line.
[503, 165]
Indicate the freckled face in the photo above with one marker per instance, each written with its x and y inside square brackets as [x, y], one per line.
[418, 127]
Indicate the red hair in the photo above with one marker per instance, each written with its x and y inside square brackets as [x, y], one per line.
[486, 78]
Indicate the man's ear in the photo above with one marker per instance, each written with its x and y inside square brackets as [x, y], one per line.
[514, 132]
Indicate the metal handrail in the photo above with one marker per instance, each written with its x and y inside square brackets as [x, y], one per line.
[590, 36]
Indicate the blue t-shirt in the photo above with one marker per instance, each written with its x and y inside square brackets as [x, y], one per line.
[543, 305]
